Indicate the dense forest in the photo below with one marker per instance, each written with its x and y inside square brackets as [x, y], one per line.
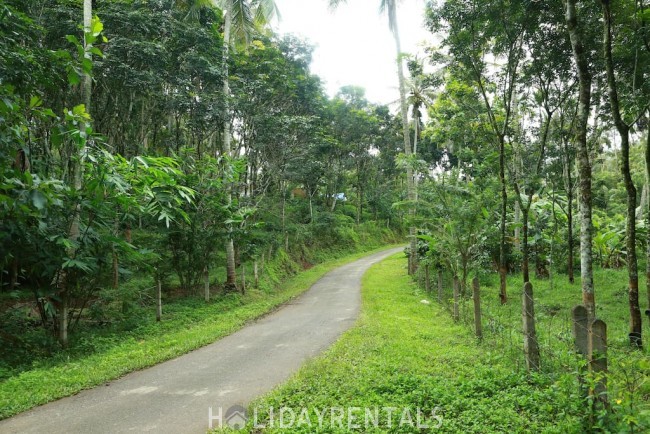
[161, 149]
[173, 151]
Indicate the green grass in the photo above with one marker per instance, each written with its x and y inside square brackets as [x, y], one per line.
[187, 324]
[629, 369]
[406, 354]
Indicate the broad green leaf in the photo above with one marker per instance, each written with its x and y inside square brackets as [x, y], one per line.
[38, 199]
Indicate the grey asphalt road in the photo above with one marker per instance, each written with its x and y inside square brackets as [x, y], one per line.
[176, 396]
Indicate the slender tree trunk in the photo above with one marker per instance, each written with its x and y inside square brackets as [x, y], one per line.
[647, 219]
[517, 228]
[584, 164]
[158, 300]
[630, 238]
[77, 179]
[412, 266]
[231, 272]
[427, 280]
[358, 202]
[624, 133]
[116, 259]
[243, 278]
[503, 267]
[524, 246]
[231, 269]
[551, 263]
[455, 311]
[569, 195]
[283, 214]
[87, 80]
[256, 276]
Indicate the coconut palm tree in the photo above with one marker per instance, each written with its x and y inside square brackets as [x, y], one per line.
[242, 20]
[389, 7]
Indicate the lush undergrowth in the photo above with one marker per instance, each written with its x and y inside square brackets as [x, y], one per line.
[100, 353]
[407, 354]
[629, 369]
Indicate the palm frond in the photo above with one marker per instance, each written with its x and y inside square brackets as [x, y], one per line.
[265, 12]
[243, 22]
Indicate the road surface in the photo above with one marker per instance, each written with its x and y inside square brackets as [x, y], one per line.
[179, 395]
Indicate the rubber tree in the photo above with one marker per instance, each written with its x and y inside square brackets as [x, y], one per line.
[581, 127]
[618, 81]
[475, 31]
[242, 18]
[550, 86]
[389, 7]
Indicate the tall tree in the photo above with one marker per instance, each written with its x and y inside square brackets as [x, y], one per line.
[242, 18]
[576, 35]
[615, 84]
[389, 7]
[549, 86]
[64, 279]
[476, 30]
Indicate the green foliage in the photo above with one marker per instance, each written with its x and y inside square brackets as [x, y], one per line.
[108, 348]
[140, 170]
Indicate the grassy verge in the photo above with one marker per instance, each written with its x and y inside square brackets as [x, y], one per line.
[406, 354]
[187, 325]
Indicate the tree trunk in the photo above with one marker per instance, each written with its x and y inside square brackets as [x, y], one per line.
[116, 260]
[77, 179]
[87, 81]
[158, 300]
[647, 221]
[427, 280]
[440, 294]
[630, 238]
[231, 269]
[584, 165]
[63, 319]
[517, 229]
[243, 278]
[571, 247]
[524, 246]
[455, 312]
[256, 276]
[392, 17]
[476, 296]
[503, 268]
[283, 215]
[624, 133]
[231, 273]
[358, 203]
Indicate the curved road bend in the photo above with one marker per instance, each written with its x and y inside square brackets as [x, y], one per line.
[174, 396]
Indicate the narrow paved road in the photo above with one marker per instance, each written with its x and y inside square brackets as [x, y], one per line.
[175, 396]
